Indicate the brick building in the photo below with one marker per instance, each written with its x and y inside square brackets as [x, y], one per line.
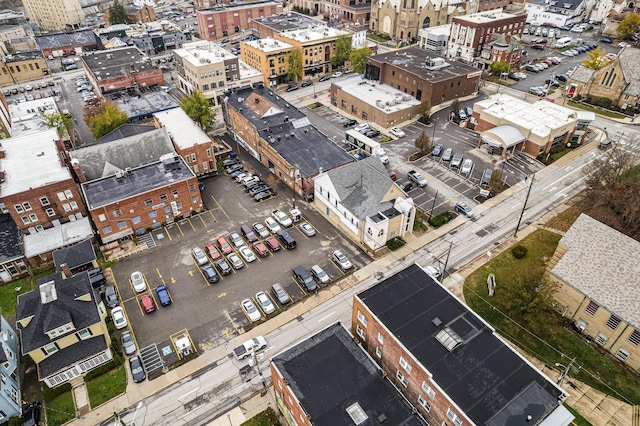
[190, 142]
[139, 14]
[269, 56]
[5, 118]
[62, 44]
[328, 380]
[501, 48]
[21, 67]
[222, 21]
[343, 11]
[120, 69]
[54, 15]
[589, 254]
[268, 26]
[446, 360]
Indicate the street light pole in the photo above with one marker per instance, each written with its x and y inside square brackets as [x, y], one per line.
[435, 124]
[515, 234]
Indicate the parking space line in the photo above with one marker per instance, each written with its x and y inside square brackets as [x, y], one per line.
[139, 306]
[191, 224]
[179, 229]
[338, 268]
[213, 216]
[202, 220]
[205, 279]
[231, 320]
[154, 298]
[115, 284]
[220, 207]
[160, 276]
[166, 231]
[299, 286]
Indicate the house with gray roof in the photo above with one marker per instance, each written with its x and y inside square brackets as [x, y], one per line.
[363, 202]
[598, 274]
[62, 328]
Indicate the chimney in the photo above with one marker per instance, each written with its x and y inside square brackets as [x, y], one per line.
[79, 173]
[3, 153]
[66, 271]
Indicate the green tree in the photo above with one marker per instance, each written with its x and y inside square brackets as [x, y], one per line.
[295, 65]
[199, 109]
[105, 118]
[596, 59]
[342, 51]
[629, 26]
[528, 299]
[425, 111]
[423, 143]
[117, 14]
[358, 59]
[59, 121]
[497, 68]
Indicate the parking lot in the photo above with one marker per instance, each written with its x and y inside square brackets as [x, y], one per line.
[211, 313]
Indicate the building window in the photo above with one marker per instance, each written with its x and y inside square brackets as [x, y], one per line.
[122, 224]
[50, 212]
[148, 202]
[402, 379]
[175, 193]
[33, 217]
[25, 219]
[601, 339]
[343, 103]
[404, 364]
[380, 338]
[592, 308]
[613, 322]
[61, 196]
[50, 348]
[18, 208]
[106, 230]
[360, 332]
[44, 201]
[102, 217]
[163, 197]
[68, 194]
[117, 213]
[635, 337]
[362, 319]
[152, 214]
[379, 352]
[622, 354]
[454, 417]
[423, 402]
[135, 220]
[84, 334]
[427, 390]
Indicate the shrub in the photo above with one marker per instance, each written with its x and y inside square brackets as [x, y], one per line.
[519, 251]
[604, 102]
[395, 243]
[441, 219]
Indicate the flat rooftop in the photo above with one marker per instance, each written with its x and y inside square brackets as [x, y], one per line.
[24, 154]
[23, 56]
[202, 53]
[276, 121]
[490, 382]
[286, 21]
[313, 33]
[26, 117]
[239, 6]
[115, 63]
[123, 185]
[414, 60]
[485, 17]
[385, 98]
[328, 373]
[57, 236]
[185, 132]
[268, 45]
[50, 41]
[539, 118]
[140, 104]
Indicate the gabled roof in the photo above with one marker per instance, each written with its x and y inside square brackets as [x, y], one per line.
[490, 382]
[72, 355]
[124, 131]
[583, 74]
[10, 239]
[361, 186]
[74, 256]
[602, 264]
[67, 307]
[629, 59]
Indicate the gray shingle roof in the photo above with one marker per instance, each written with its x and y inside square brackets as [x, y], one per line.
[72, 355]
[74, 256]
[629, 59]
[10, 239]
[602, 263]
[582, 74]
[361, 186]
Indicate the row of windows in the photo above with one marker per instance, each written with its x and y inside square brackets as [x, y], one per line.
[18, 69]
[53, 347]
[613, 322]
[26, 206]
[136, 219]
[32, 218]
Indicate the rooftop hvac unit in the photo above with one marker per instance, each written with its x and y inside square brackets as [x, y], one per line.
[119, 174]
[406, 98]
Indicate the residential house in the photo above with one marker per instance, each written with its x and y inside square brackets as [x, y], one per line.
[501, 48]
[23, 66]
[75, 258]
[270, 57]
[157, 41]
[597, 271]
[226, 20]
[328, 380]
[10, 394]
[447, 360]
[364, 203]
[557, 13]
[62, 328]
[281, 137]
[68, 43]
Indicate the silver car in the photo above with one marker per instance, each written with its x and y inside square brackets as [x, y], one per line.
[279, 293]
[236, 239]
[342, 260]
[466, 167]
[128, 344]
[319, 274]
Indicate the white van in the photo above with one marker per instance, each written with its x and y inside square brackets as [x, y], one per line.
[563, 42]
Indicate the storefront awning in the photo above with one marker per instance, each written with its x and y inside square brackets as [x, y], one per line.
[505, 136]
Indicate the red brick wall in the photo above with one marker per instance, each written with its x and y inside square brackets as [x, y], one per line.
[285, 397]
[224, 20]
[150, 78]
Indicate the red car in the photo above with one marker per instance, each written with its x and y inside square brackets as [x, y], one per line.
[214, 254]
[147, 303]
[272, 243]
[224, 246]
[260, 249]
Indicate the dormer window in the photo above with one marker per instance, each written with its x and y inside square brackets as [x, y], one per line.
[60, 330]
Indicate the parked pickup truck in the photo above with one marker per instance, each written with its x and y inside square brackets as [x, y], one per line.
[249, 347]
[417, 178]
[282, 218]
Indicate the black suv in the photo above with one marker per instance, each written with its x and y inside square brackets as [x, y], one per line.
[304, 278]
[349, 123]
[286, 239]
[96, 278]
[292, 87]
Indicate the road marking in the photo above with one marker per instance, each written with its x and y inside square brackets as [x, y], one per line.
[564, 177]
[325, 317]
[190, 273]
[173, 280]
[515, 206]
[221, 295]
[189, 393]
[231, 319]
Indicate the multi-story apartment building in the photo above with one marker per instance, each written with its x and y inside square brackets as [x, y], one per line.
[501, 48]
[316, 45]
[470, 33]
[157, 41]
[10, 396]
[448, 361]
[62, 328]
[225, 20]
[21, 67]
[55, 15]
[190, 142]
[269, 56]
[119, 69]
[554, 12]
[356, 12]
[207, 67]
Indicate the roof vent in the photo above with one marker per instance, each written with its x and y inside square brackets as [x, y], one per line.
[449, 339]
[382, 418]
[357, 414]
[437, 322]
[41, 154]
[128, 171]
[119, 174]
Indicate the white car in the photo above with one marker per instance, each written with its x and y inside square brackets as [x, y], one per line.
[361, 127]
[623, 44]
[236, 240]
[241, 175]
[342, 260]
[138, 282]
[247, 254]
[466, 167]
[397, 132]
[260, 230]
[336, 74]
[199, 256]
[307, 229]
[319, 274]
[250, 309]
[433, 271]
[282, 218]
[265, 303]
[236, 262]
[119, 319]
[272, 225]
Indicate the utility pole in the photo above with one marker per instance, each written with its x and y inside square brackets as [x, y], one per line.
[433, 205]
[446, 262]
[566, 370]
[515, 234]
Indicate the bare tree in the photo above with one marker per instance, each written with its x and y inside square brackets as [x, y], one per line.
[423, 143]
[272, 181]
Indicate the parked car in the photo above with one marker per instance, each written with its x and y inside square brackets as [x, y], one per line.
[362, 127]
[258, 189]
[562, 77]
[307, 229]
[466, 166]
[393, 176]
[464, 208]
[350, 122]
[325, 77]
[235, 261]
[250, 309]
[468, 111]
[210, 273]
[223, 266]
[163, 295]
[606, 40]
[307, 83]
[341, 260]
[279, 293]
[260, 249]
[406, 186]
[320, 275]
[111, 296]
[272, 225]
[260, 196]
[146, 303]
[137, 372]
[372, 133]
[118, 317]
[260, 230]
[514, 76]
[236, 240]
[224, 245]
[552, 82]
[138, 282]
[128, 344]
[437, 150]
[265, 303]
[233, 168]
[336, 74]
[292, 87]
[247, 254]
[456, 161]
[397, 132]
[272, 243]
[212, 251]
[199, 256]
[538, 46]
[286, 239]
[448, 153]
[462, 114]
[303, 278]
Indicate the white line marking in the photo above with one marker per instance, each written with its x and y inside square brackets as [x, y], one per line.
[326, 316]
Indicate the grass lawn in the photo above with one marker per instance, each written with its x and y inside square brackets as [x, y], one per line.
[107, 386]
[266, 418]
[9, 295]
[596, 110]
[564, 220]
[560, 343]
[59, 403]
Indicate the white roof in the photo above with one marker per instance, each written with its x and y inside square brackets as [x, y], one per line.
[201, 53]
[505, 134]
[381, 96]
[487, 16]
[58, 236]
[27, 119]
[24, 154]
[183, 130]
[314, 33]
[268, 44]
[539, 118]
